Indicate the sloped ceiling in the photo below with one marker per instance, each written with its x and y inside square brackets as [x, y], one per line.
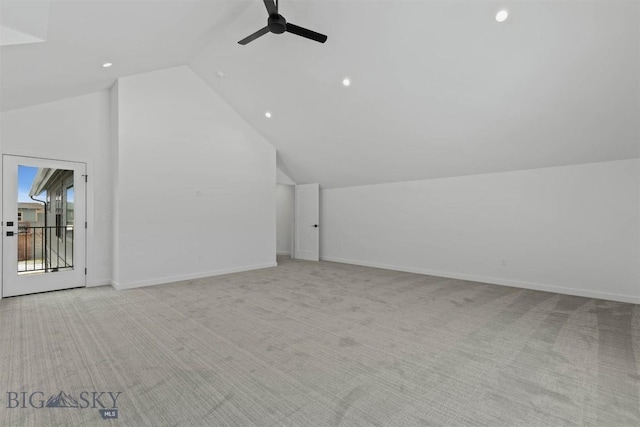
[439, 87]
[23, 21]
[135, 35]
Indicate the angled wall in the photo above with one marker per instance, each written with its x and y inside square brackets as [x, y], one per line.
[195, 183]
[570, 229]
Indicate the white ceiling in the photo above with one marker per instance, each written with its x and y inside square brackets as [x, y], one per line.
[439, 87]
[136, 36]
[23, 22]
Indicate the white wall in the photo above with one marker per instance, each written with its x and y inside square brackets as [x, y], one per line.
[75, 129]
[284, 218]
[283, 178]
[573, 229]
[195, 183]
[113, 159]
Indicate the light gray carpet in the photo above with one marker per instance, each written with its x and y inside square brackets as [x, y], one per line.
[324, 344]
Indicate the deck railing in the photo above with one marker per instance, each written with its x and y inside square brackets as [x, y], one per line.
[45, 249]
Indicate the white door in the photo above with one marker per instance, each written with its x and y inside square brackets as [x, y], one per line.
[43, 225]
[307, 233]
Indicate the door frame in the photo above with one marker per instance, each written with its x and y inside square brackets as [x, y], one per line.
[85, 252]
[296, 217]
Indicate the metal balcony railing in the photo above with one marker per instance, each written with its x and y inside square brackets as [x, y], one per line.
[45, 249]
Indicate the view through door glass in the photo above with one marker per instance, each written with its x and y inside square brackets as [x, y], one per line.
[45, 220]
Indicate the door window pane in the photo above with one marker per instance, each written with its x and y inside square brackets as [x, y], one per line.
[46, 218]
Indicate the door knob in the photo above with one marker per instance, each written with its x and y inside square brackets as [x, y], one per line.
[315, 225]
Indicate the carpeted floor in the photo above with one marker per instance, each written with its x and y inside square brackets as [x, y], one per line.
[319, 344]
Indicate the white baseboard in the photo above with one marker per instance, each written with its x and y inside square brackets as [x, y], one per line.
[99, 282]
[283, 253]
[494, 281]
[163, 280]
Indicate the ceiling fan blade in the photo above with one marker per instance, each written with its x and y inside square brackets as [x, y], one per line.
[271, 7]
[252, 37]
[299, 31]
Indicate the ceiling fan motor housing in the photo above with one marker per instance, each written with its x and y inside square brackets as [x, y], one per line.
[277, 24]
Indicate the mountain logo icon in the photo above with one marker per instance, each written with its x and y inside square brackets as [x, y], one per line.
[62, 400]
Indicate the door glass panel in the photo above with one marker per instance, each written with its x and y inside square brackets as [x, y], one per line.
[46, 220]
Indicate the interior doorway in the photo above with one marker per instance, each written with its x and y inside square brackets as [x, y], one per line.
[284, 219]
[307, 222]
[298, 221]
[43, 218]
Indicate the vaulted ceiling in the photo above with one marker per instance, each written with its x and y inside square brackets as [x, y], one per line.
[439, 88]
[80, 35]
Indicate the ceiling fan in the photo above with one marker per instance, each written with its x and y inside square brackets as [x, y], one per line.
[278, 25]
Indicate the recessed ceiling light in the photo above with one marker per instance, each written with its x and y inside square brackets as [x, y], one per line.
[502, 16]
[267, 114]
[107, 64]
[346, 82]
